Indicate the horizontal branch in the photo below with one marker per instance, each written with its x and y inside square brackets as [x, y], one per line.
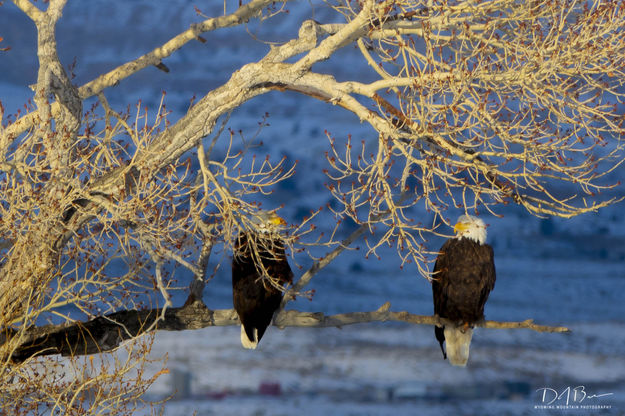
[383, 314]
[106, 333]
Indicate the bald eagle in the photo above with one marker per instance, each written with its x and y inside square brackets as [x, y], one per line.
[259, 272]
[464, 275]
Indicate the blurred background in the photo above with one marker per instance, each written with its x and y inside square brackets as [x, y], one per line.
[555, 271]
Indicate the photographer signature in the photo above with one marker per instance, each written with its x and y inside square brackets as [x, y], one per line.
[574, 395]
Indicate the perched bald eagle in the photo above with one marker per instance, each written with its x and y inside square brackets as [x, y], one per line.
[464, 275]
[259, 272]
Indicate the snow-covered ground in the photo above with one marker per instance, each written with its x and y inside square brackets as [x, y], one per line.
[397, 369]
[392, 370]
[560, 272]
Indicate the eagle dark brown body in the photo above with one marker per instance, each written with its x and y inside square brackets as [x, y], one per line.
[255, 297]
[464, 275]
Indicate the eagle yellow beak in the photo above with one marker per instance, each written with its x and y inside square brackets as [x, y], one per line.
[275, 220]
[460, 227]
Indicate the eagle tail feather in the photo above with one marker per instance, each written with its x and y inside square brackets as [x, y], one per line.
[458, 341]
[440, 337]
[246, 341]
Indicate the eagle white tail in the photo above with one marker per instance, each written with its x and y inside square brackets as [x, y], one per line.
[245, 341]
[458, 341]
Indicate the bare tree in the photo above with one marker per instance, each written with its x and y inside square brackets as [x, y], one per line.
[475, 105]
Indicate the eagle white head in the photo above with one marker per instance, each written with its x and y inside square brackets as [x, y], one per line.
[471, 227]
[268, 222]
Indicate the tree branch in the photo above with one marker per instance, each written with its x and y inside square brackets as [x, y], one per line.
[321, 263]
[153, 57]
[29, 9]
[106, 333]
